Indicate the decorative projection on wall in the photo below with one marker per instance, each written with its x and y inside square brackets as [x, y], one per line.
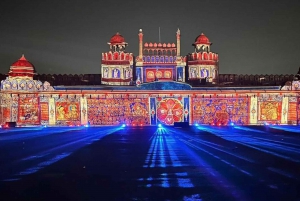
[298, 111]
[67, 111]
[269, 111]
[113, 111]
[269, 108]
[28, 110]
[44, 110]
[220, 110]
[6, 105]
[292, 111]
[169, 110]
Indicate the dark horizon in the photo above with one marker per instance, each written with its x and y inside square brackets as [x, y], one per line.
[61, 38]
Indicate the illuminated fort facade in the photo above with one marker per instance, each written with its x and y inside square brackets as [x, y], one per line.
[159, 85]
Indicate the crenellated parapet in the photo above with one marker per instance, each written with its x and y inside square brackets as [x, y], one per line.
[117, 58]
[159, 49]
[203, 57]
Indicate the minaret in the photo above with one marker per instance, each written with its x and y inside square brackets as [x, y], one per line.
[178, 42]
[140, 45]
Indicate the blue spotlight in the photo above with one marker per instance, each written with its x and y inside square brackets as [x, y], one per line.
[231, 124]
[123, 125]
[86, 125]
[159, 125]
[266, 124]
[196, 124]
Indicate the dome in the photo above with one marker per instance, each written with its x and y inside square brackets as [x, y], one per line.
[22, 62]
[21, 68]
[117, 38]
[202, 39]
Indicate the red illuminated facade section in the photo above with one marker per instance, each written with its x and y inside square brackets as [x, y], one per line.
[117, 64]
[159, 61]
[202, 63]
[21, 69]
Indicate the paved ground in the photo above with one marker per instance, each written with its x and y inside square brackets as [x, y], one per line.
[149, 163]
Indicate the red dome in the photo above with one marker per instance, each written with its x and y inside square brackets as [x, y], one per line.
[202, 39]
[21, 68]
[117, 38]
[22, 62]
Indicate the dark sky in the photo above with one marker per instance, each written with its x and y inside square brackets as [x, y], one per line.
[251, 37]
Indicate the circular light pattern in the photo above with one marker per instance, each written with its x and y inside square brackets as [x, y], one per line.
[169, 110]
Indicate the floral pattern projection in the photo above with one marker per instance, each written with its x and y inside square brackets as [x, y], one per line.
[292, 111]
[6, 101]
[28, 110]
[269, 109]
[114, 111]
[44, 110]
[220, 110]
[169, 110]
[67, 111]
[298, 111]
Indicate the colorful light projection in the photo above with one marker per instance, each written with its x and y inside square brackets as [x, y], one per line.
[67, 112]
[269, 111]
[44, 111]
[5, 107]
[220, 110]
[28, 110]
[113, 111]
[298, 111]
[158, 74]
[169, 110]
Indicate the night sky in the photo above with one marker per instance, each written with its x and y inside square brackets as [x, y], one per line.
[251, 37]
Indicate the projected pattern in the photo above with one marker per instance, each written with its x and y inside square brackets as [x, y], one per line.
[28, 110]
[6, 105]
[113, 111]
[220, 110]
[67, 111]
[270, 107]
[169, 110]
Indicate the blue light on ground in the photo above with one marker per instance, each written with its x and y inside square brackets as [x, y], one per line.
[293, 129]
[123, 125]
[159, 125]
[162, 154]
[52, 154]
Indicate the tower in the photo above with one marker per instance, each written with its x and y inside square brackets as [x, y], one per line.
[21, 69]
[159, 61]
[202, 63]
[117, 65]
